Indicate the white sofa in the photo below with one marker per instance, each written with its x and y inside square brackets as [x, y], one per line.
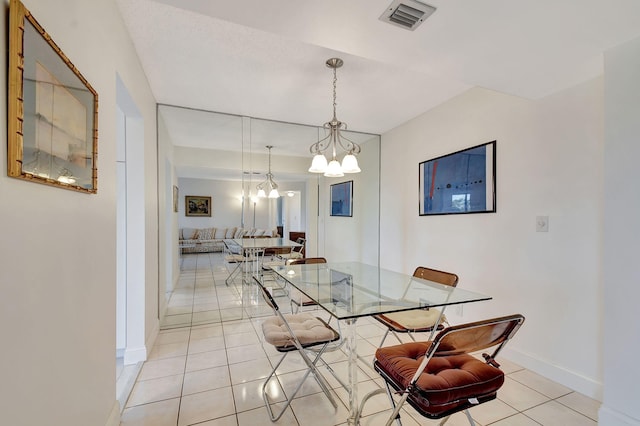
[203, 240]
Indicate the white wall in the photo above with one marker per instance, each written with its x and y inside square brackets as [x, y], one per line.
[353, 238]
[58, 247]
[226, 210]
[621, 242]
[549, 162]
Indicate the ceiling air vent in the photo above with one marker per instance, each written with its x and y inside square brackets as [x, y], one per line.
[408, 14]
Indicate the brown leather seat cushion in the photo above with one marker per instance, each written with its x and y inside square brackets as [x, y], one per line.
[446, 383]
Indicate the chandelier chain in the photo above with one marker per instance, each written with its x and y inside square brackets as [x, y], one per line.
[335, 83]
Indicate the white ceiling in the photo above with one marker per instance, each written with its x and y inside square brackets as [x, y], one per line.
[266, 59]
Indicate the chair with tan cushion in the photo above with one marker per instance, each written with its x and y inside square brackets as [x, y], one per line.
[296, 252]
[441, 377]
[421, 320]
[302, 333]
[299, 299]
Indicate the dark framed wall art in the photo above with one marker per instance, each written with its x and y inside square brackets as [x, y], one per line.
[460, 182]
[197, 206]
[52, 110]
[342, 199]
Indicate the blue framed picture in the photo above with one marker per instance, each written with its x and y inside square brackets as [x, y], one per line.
[461, 182]
[342, 199]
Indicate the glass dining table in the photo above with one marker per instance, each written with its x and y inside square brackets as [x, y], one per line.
[351, 290]
[248, 249]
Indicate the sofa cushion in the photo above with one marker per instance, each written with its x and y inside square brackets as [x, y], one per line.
[189, 233]
[206, 233]
[230, 232]
[220, 233]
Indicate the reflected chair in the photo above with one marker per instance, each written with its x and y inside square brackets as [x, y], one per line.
[246, 260]
[296, 252]
[299, 299]
[441, 377]
[417, 321]
[304, 333]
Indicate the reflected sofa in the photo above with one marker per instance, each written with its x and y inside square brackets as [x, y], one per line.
[204, 240]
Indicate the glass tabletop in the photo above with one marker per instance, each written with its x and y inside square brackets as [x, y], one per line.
[256, 243]
[353, 289]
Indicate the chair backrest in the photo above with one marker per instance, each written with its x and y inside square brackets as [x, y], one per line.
[476, 336]
[306, 261]
[441, 277]
[299, 248]
[267, 296]
[471, 337]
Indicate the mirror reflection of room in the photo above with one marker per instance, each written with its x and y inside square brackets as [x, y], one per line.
[254, 173]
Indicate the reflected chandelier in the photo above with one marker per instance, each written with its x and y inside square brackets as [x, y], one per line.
[268, 184]
[335, 138]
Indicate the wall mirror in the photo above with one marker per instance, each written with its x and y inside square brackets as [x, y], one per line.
[225, 157]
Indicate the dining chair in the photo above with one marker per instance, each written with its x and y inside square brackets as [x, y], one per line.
[296, 252]
[297, 298]
[246, 260]
[442, 377]
[303, 333]
[421, 320]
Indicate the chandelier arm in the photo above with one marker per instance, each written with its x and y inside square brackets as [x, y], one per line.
[320, 146]
[351, 147]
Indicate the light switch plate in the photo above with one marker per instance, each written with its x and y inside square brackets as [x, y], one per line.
[542, 223]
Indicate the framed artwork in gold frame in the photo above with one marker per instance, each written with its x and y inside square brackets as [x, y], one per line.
[195, 205]
[52, 110]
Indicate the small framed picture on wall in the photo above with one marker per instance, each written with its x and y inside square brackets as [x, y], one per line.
[195, 205]
[342, 199]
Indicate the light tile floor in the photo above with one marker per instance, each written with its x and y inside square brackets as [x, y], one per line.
[210, 374]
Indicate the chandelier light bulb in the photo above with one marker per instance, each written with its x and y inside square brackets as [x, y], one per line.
[319, 164]
[268, 183]
[334, 169]
[350, 164]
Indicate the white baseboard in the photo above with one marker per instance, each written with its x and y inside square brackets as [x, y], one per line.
[135, 355]
[114, 416]
[610, 417]
[570, 379]
[153, 335]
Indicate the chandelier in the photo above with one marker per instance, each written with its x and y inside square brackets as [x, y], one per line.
[335, 138]
[268, 184]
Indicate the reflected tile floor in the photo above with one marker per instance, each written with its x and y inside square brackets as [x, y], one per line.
[211, 375]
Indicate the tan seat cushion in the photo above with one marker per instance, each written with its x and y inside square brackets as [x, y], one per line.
[415, 319]
[234, 258]
[308, 329]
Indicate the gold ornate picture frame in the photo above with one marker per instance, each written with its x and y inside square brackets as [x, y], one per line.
[195, 205]
[52, 111]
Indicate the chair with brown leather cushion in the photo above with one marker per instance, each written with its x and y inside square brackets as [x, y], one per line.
[441, 377]
[422, 320]
[297, 298]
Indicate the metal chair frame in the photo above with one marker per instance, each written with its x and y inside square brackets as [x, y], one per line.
[304, 261]
[456, 340]
[430, 274]
[315, 348]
